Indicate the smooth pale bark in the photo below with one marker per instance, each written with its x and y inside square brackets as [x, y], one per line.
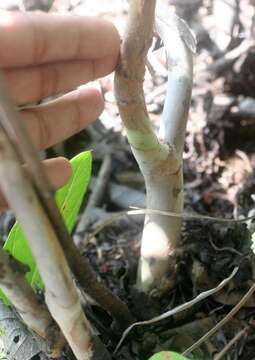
[159, 157]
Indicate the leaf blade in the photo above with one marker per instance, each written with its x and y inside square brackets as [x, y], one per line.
[167, 355]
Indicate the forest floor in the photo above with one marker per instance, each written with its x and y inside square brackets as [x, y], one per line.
[219, 178]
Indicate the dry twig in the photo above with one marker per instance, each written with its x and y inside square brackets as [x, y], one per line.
[118, 215]
[222, 322]
[236, 338]
[95, 198]
[177, 309]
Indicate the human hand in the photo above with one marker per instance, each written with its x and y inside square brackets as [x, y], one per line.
[42, 55]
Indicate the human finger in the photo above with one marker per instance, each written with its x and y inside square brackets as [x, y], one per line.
[30, 84]
[38, 38]
[56, 121]
[58, 171]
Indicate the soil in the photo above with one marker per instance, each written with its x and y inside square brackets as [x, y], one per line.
[219, 179]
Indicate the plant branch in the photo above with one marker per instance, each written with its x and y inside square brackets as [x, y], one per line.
[232, 342]
[94, 199]
[60, 293]
[179, 44]
[14, 128]
[160, 160]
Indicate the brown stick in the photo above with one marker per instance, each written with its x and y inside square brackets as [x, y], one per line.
[94, 199]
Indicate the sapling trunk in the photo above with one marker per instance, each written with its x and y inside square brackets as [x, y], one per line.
[159, 157]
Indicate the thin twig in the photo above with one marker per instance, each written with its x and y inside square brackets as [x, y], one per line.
[177, 309]
[96, 196]
[99, 188]
[225, 350]
[225, 248]
[189, 216]
[116, 216]
[222, 322]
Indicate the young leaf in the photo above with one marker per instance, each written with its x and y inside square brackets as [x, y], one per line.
[69, 199]
[168, 355]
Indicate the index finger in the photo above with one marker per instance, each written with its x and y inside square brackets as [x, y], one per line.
[38, 38]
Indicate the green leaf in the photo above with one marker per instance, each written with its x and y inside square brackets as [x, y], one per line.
[69, 199]
[168, 355]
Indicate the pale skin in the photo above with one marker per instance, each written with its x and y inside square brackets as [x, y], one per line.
[43, 55]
